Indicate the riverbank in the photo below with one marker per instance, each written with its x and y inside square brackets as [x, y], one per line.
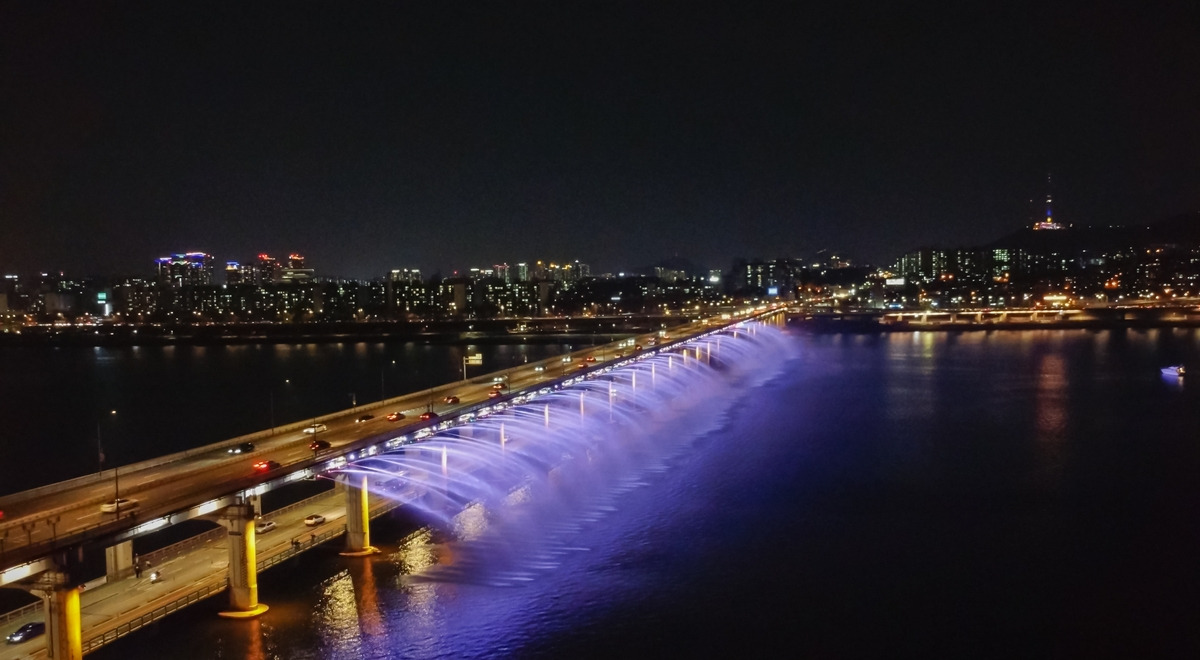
[852, 324]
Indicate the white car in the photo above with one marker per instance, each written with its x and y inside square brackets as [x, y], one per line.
[118, 505]
[314, 520]
[315, 428]
[264, 526]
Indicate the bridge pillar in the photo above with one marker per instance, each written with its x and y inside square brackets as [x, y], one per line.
[243, 563]
[60, 599]
[118, 560]
[358, 520]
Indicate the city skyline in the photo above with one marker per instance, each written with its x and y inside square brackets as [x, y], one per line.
[614, 132]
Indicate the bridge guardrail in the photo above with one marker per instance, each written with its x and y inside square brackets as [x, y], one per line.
[21, 611]
[133, 468]
[215, 585]
[117, 632]
[225, 489]
[177, 549]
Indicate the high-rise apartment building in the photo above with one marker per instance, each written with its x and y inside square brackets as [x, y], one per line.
[295, 271]
[267, 269]
[187, 269]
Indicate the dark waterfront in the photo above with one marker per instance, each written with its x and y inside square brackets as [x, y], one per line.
[1006, 494]
[172, 398]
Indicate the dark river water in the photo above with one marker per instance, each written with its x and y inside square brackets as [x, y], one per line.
[56, 401]
[1006, 494]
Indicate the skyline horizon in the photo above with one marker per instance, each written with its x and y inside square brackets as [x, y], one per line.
[441, 269]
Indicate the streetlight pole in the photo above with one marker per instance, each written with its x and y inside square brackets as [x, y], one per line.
[100, 456]
[271, 403]
[382, 391]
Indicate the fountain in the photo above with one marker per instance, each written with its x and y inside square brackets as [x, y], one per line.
[520, 474]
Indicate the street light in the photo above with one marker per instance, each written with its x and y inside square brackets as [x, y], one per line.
[100, 456]
[271, 400]
[382, 389]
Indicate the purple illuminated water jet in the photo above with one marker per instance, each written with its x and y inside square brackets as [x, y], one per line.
[510, 486]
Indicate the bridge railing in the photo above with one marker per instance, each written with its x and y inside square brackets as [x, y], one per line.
[132, 468]
[224, 489]
[182, 547]
[31, 608]
[212, 587]
[117, 632]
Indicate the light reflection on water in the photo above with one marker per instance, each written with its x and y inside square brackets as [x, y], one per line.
[819, 513]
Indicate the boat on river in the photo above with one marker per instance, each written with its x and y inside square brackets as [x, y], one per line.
[1176, 371]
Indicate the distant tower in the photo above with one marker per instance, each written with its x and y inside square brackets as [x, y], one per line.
[1048, 222]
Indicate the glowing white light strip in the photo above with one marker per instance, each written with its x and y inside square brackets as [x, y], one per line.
[207, 507]
[151, 525]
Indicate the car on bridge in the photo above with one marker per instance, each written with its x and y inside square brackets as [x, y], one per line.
[314, 520]
[499, 386]
[495, 394]
[318, 445]
[265, 466]
[264, 526]
[27, 632]
[395, 417]
[450, 399]
[428, 415]
[313, 429]
[118, 505]
[364, 418]
[244, 448]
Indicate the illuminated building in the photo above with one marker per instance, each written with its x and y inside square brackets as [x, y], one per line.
[187, 269]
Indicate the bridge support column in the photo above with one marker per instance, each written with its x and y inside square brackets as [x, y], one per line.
[358, 520]
[118, 560]
[243, 563]
[64, 634]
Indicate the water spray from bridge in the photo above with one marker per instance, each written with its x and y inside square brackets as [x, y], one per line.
[509, 483]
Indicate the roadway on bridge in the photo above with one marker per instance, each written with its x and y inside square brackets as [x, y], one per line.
[174, 486]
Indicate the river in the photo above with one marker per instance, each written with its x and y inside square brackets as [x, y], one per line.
[981, 494]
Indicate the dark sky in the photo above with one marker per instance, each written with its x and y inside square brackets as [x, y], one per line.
[446, 135]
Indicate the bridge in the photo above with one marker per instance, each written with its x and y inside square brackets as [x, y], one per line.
[48, 531]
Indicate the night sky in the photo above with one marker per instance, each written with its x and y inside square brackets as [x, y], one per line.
[447, 135]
